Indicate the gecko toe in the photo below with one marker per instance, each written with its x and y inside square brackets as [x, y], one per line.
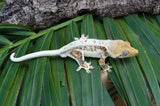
[107, 63]
[87, 36]
[79, 68]
[75, 38]
[110, 70]
[89, 63]
[88, 71]
[91, 67]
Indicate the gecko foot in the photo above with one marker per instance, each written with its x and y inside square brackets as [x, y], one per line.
[86, 66]
[106, 68]
[83, 37]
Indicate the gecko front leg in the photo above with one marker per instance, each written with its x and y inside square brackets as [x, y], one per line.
[104, 66]
[78, 55]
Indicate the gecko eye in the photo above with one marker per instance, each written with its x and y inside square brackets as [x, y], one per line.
[125, 53]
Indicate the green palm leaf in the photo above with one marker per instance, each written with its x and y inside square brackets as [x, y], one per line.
[54, 81]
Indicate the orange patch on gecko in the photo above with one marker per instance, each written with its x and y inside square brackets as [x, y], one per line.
[76, 54]
[88, 49]
[92, 48]
[101, 61]
[97, 47]
[85, 65]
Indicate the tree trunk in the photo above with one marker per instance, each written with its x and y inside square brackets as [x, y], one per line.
[44, 13]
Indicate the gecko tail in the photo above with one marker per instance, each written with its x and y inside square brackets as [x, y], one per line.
[34, 55]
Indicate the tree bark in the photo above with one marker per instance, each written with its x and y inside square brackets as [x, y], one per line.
[45, 13]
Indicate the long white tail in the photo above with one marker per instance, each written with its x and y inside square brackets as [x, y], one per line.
[35, 55]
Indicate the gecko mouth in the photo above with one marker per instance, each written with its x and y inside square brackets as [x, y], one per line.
[133, 52]
[137, 52]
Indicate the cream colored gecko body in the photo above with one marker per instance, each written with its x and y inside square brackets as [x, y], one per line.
[85, 47]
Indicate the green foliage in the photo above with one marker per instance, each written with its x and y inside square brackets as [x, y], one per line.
[54, 81]
[1, 3]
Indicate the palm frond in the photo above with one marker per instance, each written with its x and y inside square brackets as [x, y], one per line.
[54, 81]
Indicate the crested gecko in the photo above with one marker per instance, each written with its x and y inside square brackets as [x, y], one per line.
[84, 47]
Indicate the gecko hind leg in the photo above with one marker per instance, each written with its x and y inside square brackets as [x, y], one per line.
[79, 57]
[104, 66]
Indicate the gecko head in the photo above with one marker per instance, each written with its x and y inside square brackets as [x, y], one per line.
[121, 49]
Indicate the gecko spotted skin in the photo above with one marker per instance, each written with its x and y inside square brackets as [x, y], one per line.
[84, 47]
